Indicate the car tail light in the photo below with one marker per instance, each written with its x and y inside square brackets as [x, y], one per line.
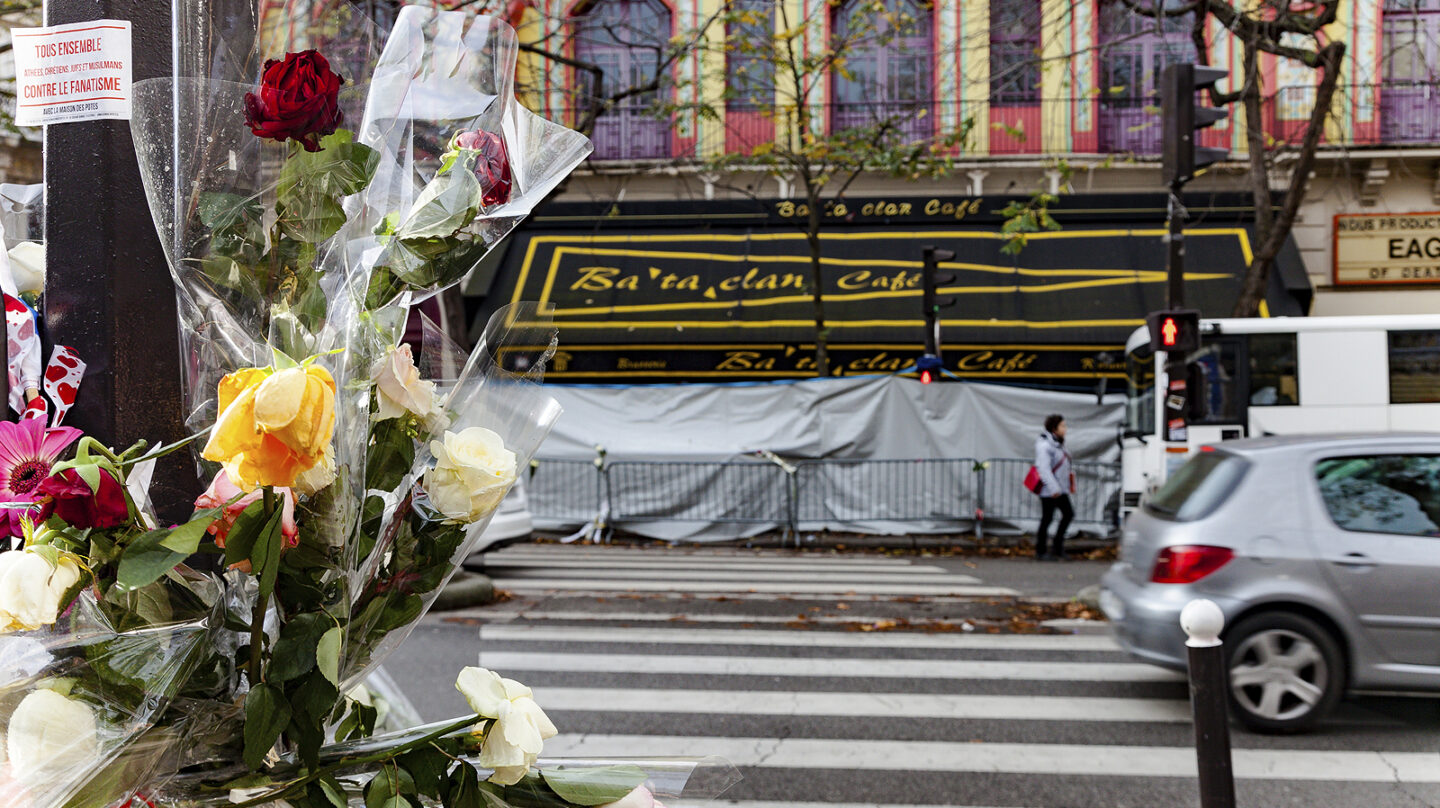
[1188, 563]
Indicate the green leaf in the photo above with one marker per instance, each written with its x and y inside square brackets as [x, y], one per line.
[265, 559]
[294, 654]
[311, 220]
[240, 543]
[463, 789]
[388, 785]
[146, 559]
[450, 202]
[333, 791]
[186, 538]
[90, 473]
[327, 655]
[427, 766]
[266, 715]
[399, 612]
[593, 786]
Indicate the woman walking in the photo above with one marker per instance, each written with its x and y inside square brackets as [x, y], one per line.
[1057, 483]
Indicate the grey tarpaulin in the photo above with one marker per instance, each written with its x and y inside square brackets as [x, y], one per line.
[868, 417]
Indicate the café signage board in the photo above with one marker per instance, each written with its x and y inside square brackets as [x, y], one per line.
[1384, 249]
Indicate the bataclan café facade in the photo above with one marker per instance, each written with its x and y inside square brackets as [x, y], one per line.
[716, 291]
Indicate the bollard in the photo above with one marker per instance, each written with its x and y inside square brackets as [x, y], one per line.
[1202, 621]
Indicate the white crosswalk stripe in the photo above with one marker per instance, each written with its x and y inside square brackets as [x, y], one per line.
[711, 665]
[1015, 758]
[534, 569]
[998, 720]
[794, 639]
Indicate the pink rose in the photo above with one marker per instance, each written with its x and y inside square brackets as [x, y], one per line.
[223, 493]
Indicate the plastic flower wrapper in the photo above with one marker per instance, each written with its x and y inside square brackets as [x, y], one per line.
[245, 219]
[462, 162]
[435, 478]
[491, 757]
[81, 699]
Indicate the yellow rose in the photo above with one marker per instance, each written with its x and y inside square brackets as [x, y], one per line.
[32, 591]
[273, 425]
[472, 472]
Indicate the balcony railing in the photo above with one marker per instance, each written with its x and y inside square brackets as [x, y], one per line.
[1374, 115]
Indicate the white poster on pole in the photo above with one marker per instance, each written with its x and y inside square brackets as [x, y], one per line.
[74, 72]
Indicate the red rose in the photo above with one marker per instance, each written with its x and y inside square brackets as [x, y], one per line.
[79, 506]
[492, 166]
[298, 99]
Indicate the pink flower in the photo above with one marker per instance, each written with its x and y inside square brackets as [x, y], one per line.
[223, 493]
[640, 797]
[27, 452]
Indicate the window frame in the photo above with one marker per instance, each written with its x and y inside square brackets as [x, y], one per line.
[1015, 83]
[1390, 363]
[1319, 490]
[741, 88]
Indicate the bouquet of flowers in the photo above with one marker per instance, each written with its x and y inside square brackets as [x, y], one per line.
[348, 472]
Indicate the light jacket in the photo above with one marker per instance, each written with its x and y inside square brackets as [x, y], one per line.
[1053, 463]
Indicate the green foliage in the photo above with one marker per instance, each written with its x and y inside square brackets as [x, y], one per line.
[267, 713]
[593, 786]
[146, 559]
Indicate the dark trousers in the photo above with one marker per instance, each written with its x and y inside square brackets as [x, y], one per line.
[1047, 512]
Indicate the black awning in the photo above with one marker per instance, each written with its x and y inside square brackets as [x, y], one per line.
[715, 302]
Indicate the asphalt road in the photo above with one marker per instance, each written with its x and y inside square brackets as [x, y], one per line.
[879, 680]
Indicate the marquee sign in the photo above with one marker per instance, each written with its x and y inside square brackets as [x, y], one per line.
[1384, 249]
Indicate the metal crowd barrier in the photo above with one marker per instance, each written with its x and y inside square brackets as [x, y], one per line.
[957, 494]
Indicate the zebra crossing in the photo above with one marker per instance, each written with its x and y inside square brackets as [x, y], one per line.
[552, 568]
[843, 719]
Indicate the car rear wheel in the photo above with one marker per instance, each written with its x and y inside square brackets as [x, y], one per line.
[1286, 672]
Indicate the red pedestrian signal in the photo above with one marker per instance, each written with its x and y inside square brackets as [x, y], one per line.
[1168, 332]
[925, 377]
[1174, 330]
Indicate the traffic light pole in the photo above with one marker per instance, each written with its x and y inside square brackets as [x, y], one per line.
[1175, 264]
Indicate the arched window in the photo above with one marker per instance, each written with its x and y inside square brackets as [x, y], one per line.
[626, 40]
[889, 69]
[1134, 49]
[1411, 48]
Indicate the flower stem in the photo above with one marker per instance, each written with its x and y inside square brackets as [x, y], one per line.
[262, 603]
[374, 757]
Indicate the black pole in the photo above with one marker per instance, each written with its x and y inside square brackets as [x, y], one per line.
[1202, 621]
[1175, 264]
[928, 282]
[108, 292]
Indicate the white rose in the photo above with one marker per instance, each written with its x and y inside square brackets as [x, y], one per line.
[27, 266]
[514, 743]
[472, 472]
[31, 590]
[48, 735]
[399, 388]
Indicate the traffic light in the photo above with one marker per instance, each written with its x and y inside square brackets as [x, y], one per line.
[929, 366]
[1181, 116]
[1174, 331]
[931, 279]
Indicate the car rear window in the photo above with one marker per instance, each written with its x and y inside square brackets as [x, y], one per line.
[1199, 487]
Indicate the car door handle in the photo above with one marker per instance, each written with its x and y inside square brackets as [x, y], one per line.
[1354, 560]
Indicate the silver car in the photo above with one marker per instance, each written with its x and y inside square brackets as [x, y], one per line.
[1323, 552]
